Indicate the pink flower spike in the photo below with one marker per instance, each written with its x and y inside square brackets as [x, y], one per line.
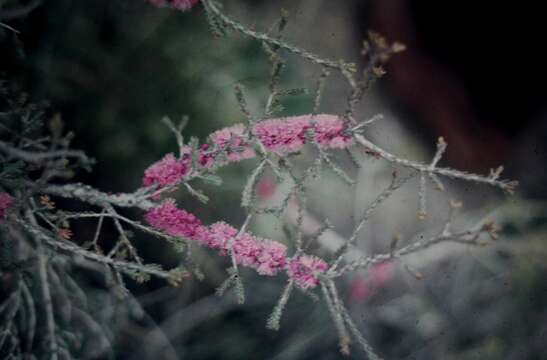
[183, 5]
[286, 135]
[246, 250]
[175, 222]
[6, 201]
[330, 132]
[167, 171]
[272, 258]
[232, 144]
[267, 257]
[305, 269]
[219, 234]
[231, 140]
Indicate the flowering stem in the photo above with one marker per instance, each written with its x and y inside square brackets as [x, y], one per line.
[357, 89]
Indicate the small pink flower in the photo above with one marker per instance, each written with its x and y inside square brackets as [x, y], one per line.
[330, 132]
[174, 221]
[282, 135]
[246, 250]
[265, 256]
[272, 258]
[232, 141]
[6, 201]
[167, 171]
[206, 158]
[231, 144]
[175, 4]
[65, 233]
[305, 270]
[219, 234]
[291, 133]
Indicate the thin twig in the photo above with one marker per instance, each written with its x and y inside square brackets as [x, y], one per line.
[505, 185]
[275, 41]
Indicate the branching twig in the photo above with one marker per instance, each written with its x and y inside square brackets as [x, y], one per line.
[469, 237]
[275, 41]
[507, 186]
[126, 267]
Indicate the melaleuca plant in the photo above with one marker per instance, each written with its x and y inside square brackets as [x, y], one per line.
[39, 254]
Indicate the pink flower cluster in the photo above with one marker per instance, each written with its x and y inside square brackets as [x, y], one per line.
[290, 134]
[5, 203]
[233, 141]
[175, 4]
[265, 256]
[175, 221]
[305, 270]
[167, 171]
[231, 144]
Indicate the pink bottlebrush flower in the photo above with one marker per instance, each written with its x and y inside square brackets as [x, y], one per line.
[330, 132]
[6, 201]
[284, 135]
[272, 258]
[290, 134]
[267, 257]
[175, 4]
[232, 140]
[174, 221]
[305, 269]
[246, 250]
[167, 171]
[219, 234]
[202, 234]
[206, 158]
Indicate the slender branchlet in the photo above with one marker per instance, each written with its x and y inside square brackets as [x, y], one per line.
[275, 318]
